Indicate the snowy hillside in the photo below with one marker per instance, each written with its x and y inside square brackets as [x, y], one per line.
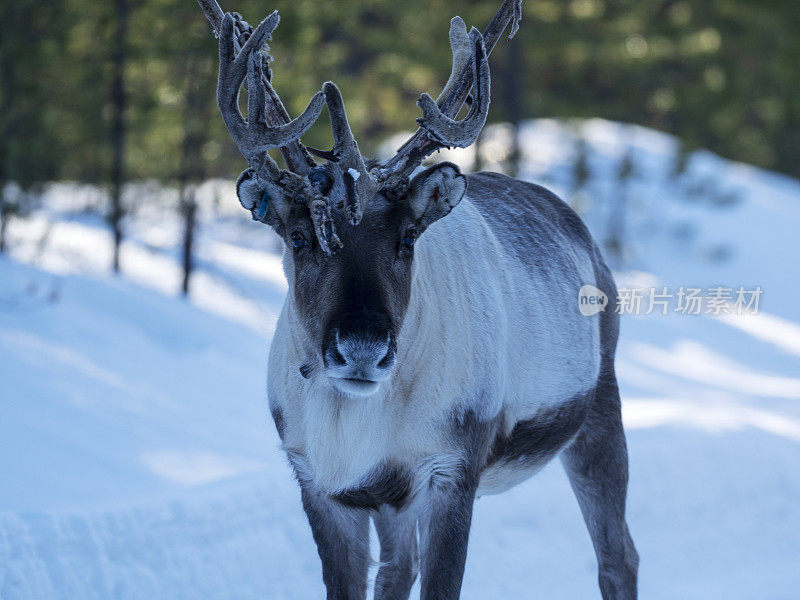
[138, 459]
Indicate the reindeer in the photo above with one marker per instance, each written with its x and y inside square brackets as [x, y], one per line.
[430, 349]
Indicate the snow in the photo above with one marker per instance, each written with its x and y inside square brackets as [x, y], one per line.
[138, 459]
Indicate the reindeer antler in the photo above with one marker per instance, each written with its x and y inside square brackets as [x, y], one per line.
[360, 183]
[253, 135]
[242, 60]
[294, 153]
[439, 126]
[267, 125]
[438, 129]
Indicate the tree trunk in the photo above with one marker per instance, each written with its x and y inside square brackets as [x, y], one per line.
[196, 116]
[514, 78]
[8, 208]
[615, 241]
[189, 207]
[3, 221]
[478, 163]
[8, 86]
[118, 100]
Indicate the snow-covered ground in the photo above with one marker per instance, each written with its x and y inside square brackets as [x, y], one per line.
[138, 460]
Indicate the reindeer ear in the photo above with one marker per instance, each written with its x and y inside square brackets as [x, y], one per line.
[266, 201]
[435, 192]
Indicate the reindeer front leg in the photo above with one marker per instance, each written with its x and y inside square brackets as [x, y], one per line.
[342, 537]
[444, 531]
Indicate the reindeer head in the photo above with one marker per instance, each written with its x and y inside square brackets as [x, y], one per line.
[349, 225]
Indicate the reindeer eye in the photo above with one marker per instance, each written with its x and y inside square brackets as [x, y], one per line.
[298, 241]
[410, 238]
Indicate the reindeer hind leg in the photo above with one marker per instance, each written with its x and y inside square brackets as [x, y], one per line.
[597, 465]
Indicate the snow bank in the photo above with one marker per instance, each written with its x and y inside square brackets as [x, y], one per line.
[138, 460]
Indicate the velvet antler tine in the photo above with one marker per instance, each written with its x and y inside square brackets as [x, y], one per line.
[461, 47]
[260, 35]
[227, 102]
[359, 182]
[256, 91]
[213, 13]
[461, 134]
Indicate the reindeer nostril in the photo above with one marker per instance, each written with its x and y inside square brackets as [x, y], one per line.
[388, 358]
[337, 356]
[333, 350]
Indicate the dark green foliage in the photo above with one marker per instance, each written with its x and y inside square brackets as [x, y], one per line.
[721, 74]
[29, 85]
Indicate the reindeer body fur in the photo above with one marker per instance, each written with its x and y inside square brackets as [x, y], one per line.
[410, 374]
[496, 334]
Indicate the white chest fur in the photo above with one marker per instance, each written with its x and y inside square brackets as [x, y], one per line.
[347, 438]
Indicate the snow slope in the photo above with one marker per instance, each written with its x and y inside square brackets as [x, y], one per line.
[138, 461]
